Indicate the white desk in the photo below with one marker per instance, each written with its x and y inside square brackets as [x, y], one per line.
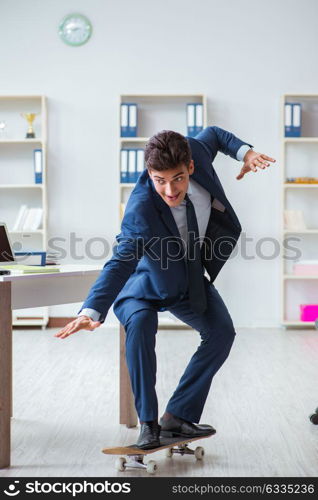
[32, 290]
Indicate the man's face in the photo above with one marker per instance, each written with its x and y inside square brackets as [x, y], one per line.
[172, 184]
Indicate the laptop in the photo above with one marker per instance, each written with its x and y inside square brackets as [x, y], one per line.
[7, 257]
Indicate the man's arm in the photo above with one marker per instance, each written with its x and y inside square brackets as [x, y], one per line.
[252, 161]
[114, 275]
[116, 272]
[90, 313]
[216, 139]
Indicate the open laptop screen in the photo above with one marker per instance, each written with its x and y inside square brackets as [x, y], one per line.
[5, 247]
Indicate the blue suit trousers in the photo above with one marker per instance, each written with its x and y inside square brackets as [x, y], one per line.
[217, 334]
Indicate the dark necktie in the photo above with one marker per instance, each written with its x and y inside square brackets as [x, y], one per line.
[197, 294]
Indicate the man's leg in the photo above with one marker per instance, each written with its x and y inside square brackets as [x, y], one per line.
[217, 335]
[141, 329]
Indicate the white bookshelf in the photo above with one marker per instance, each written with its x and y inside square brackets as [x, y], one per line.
[156, 112]
[299, 158]
[17, 184]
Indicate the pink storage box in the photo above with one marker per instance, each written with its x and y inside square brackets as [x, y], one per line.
[308, 312]
[305, 269]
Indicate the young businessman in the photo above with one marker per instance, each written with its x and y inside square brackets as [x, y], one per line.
[178, 224]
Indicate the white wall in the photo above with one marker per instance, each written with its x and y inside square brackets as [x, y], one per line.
[242, 54]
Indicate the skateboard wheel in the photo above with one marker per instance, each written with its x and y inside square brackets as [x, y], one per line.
[314, 418]
[121, 464]
[199, 452]
[151, 467]
[169, 452]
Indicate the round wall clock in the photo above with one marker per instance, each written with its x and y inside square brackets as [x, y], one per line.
[75, 29]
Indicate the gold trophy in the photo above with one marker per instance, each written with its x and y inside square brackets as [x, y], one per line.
[30, 119]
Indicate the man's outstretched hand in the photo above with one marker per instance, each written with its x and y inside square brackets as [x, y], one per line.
[253, 161]
[80, 323]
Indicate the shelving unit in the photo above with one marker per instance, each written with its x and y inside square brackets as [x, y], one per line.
[299, 158]
[156, 112]
[17, 185]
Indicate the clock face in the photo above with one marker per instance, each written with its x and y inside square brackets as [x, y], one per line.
[75, 29]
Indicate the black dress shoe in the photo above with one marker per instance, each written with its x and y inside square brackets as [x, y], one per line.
[149, 435]
[175, 426]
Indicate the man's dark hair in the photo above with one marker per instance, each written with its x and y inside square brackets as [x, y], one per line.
[166, 150]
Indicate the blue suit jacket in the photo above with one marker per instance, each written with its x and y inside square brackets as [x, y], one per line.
[148, 264]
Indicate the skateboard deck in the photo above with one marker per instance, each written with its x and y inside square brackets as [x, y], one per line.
[135, 455]
[166, 442]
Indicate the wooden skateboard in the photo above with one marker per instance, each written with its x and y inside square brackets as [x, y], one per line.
[134, 456]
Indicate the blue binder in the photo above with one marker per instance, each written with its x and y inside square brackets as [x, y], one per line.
[288, 119]
[194, 118]
[140, 162]
[132, 157]
[132, 120]
[128, 119]
[124, 165]
[296, 119]
[292, 119]
[191, 120]
[38, 168]
[198, 118]
[124, 120]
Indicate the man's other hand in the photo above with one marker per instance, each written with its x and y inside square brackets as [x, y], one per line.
[80, 323]
[253, 161]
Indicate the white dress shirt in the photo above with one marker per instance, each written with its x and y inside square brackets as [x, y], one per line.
[201, 200]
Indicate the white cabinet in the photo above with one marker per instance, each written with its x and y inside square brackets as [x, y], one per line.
[300, 211]
[17, 181]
